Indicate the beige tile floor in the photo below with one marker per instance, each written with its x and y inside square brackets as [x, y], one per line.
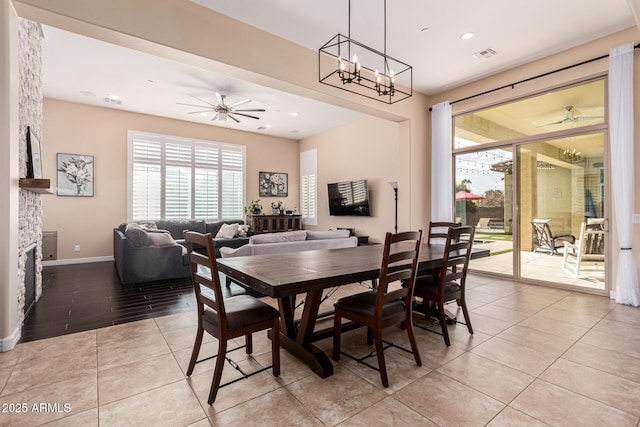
[539, 356]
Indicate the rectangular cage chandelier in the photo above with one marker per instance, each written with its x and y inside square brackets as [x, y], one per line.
[352, 66]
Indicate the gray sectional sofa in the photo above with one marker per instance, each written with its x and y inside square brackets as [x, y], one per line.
[144, 254]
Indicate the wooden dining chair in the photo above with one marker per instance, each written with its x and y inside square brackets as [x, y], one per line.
[449, 284]
[234, 317]
[439, 230]
[383, 306]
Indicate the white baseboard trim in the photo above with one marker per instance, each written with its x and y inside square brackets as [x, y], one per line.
[10, 342]
[76, 260]
[612, 294]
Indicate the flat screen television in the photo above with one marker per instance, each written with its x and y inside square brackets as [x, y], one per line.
[349, 198]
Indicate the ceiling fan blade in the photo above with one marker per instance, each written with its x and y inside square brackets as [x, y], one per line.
[219, 98]
[200, 112]
[202, 100]
[246, 115]
[244, 101]
[233, 118]
[258, 110]
[193, 105]
[580, 118]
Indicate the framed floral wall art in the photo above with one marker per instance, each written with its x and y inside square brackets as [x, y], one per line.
[273, 184]
[75, 175]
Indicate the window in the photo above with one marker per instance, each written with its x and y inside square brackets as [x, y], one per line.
[180, 178]
[309, 187]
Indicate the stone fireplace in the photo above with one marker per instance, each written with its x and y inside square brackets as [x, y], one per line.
[30, 204]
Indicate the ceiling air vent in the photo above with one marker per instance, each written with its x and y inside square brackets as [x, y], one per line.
[110, 100]
[484, 54]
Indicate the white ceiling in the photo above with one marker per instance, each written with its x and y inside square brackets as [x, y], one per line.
[422, 33]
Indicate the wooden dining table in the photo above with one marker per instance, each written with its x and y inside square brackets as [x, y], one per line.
[287, 275]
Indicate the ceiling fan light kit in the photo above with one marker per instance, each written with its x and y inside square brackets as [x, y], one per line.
[224, 110]
[341, 64]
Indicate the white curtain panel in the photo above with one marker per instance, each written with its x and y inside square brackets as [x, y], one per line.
[441, 173]
[622, 175]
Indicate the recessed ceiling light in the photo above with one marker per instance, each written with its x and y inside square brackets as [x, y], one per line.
[467, 36]
[295, 114]
[113, 97]
[267, 126]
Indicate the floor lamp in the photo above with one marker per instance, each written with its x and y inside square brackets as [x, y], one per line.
[394, 185]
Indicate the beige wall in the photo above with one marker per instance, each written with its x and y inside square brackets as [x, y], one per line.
[182, 31]
[102, 132]
[367, 149]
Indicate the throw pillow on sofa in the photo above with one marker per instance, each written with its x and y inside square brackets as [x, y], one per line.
[136, 235]
[243, 230]
[158, 239]
[227, 231]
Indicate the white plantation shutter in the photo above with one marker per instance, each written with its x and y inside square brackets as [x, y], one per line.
[179, 178]
[177, 183]
[145, 160]
[232, 166]
[206, 181]
[309, 187]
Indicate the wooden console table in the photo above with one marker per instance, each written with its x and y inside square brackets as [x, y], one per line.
[276, 223]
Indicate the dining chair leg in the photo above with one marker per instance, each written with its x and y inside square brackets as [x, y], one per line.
[412, 340]
[249, 343]
[217, 373]
[443, 323]
[336, 336]
[380, 353]
[196, 350]
[369, 336]
[467, 319]
[275, 347]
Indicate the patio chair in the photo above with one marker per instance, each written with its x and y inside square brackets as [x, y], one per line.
[587, 252]
[546, 240]
[483, 224]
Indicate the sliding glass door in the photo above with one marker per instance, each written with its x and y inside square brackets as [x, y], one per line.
[561, 206]
[531, 175]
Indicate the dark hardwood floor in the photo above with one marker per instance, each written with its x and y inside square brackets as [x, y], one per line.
[81, 297]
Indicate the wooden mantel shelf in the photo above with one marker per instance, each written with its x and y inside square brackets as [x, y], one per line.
[42, 186]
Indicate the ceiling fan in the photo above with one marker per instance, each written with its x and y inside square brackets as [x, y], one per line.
[224, 110]
[572, 115]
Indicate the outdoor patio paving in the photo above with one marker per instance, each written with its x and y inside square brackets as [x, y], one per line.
[535, 265]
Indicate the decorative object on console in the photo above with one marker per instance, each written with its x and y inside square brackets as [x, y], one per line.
[75, 175]
[253, 208]
[394, 185]
[277, 208]
[273, 184]
[34, 155]
[384, 78]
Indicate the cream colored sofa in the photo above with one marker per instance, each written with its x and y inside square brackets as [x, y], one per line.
[292, 241]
